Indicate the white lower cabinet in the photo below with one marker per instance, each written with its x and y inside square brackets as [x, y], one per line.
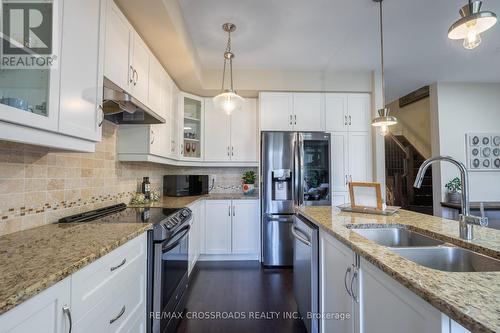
[43, 313]
[336, 273]
[231, 228]
[108, 295]
[376, 302]
[194, 247]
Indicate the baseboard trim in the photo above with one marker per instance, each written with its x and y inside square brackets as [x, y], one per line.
[228, 257]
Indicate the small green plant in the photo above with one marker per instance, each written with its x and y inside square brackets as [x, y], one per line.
[454, 185]
[249, 177]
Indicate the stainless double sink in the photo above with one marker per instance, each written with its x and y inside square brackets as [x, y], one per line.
[428, 251]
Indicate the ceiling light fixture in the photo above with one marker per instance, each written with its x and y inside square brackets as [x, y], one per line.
[384, 120]
[472, 24]
[228, 100]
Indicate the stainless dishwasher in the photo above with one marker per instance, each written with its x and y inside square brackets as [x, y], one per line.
[305, 272]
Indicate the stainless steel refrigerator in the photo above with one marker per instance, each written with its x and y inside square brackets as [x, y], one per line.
[295, 170]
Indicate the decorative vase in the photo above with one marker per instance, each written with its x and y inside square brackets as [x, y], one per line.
[454, 197]
[248, 188]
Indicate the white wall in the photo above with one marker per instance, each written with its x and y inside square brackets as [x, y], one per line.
[457, 109]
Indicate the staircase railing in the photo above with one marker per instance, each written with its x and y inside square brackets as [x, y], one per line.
[403, 190]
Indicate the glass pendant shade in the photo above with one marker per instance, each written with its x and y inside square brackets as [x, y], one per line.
[472, 24]
[228, 101]
[383, 121]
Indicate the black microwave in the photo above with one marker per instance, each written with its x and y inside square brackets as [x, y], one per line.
[185, 185]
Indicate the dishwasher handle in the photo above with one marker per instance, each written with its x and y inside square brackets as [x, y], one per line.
[296, 233]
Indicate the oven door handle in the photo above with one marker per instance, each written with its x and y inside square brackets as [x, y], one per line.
[168, 246]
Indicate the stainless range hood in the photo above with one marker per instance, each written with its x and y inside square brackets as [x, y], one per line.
[122, 108]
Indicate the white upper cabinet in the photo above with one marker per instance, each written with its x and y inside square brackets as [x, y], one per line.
[244, 132]
[117, 67]
[155, 94]
[336, 114]
[82, 85]
[308, 114]
[347, 112]
[359, 106]
[276, 111]
[140, 69]
[217, 133]
[191, 121]
[231, 137]
[291, 111]
[174, 123]
[30, 97]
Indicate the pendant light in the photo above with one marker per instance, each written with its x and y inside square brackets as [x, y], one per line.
[472, 24]
[228, 100]
[383, 120]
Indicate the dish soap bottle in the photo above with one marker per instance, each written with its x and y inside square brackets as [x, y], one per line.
[146, 188]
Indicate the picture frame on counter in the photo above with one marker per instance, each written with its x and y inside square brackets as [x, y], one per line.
[365, 195]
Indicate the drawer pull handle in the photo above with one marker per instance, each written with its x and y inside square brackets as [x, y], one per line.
[119, 265]
[67, 312]
[122, 311]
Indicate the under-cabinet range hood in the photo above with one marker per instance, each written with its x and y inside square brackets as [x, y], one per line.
[122, 108]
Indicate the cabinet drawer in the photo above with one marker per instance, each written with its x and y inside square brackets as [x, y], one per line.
[122, 309]
[101, 280]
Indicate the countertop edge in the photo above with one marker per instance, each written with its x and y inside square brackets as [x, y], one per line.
[449, 309]
[71, 268]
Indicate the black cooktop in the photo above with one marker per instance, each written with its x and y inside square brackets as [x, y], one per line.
[121, 214]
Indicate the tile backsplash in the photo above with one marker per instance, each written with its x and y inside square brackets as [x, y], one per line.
[39, 185]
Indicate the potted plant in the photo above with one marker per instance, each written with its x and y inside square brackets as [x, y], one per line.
[454, 188]
[248, 180]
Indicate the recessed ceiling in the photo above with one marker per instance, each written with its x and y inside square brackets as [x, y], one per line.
[332, 35]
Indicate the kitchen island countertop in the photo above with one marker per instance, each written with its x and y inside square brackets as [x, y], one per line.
[471, 299]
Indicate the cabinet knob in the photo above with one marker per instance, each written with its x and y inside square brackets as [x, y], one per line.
[350, 120]
[295, 119]
[152, 136]
[131, 74]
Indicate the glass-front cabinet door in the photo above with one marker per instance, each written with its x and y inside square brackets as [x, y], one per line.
[29, 70]
[192, 126]
[315, 168]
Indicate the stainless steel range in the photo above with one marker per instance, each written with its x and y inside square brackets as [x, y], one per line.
[167, 257]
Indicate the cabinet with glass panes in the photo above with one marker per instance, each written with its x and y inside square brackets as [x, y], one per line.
[192, 123]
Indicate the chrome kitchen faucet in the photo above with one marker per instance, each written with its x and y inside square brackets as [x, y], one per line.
[466, 220]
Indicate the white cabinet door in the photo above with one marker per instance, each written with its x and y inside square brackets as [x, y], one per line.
[160, 133]
[339, 160]
[155, 77]
[42, 313]
[340, 198]
[193, 237]
[81, 69]
[360, 164]
[276, 111]
[174, 123]
[246, 226]
[218, 227]
[308, 112]
[359, 112]
[217, 141]
[140, 64]
[335, 260]
[336, 117]
[384, 298]
[117, 47]
[244, 132]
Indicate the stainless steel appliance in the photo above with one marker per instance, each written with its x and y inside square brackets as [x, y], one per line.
[167, 257]
[306, 271]
[121, 107]
[185, 185]
[295, 170]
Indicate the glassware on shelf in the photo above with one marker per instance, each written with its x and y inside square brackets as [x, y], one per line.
[188, 148]
[193, 148]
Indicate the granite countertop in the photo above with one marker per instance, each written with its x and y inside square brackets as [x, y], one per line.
[176, 202]
[471, 299]
[35, 259]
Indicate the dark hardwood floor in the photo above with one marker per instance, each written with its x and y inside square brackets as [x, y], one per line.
[240, 289]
